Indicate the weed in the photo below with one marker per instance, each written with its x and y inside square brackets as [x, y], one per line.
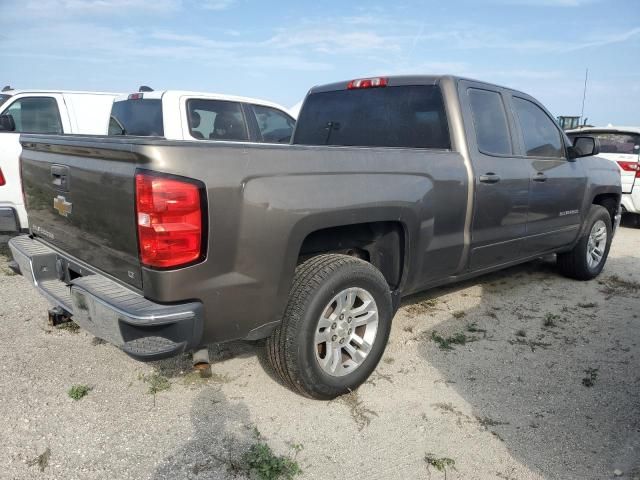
[260, 461]
[360, 413]
[487, 422]
[590, 379]
[521, 333]
[70, 326]
[408, 328]
[458, 314]
[422, 307]
[473, 328]
[78, 391]
[550, 320]
[446, 343]
[388, 360]
[195, 378]
[533, 344]
[42, 460]
[440, 464]
[157, 383]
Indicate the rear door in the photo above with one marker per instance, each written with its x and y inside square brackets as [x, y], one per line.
[501, 177]
[557, 184]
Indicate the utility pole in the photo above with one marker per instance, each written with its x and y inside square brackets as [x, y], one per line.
[584, 93]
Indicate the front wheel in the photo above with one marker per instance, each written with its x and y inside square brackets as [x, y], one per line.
[588, 257]
[335, 327]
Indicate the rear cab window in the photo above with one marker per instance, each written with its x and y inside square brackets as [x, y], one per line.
[621, 143]
[137, 116]
[411, 116]
[220, 120]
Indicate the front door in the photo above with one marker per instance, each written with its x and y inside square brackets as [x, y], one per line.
[557, 184]
[501, 179]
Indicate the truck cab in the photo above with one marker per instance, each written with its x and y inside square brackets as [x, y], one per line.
[44, 112]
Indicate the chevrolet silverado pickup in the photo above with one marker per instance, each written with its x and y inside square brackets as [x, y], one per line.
[390, 186]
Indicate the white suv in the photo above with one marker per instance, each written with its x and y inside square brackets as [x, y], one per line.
[621, 145]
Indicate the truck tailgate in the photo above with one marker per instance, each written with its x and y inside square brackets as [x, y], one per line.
[80, 199]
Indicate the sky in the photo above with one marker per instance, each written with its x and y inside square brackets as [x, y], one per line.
[278, 50]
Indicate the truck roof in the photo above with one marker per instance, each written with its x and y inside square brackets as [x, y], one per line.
[608, 128]
[158, 94]
[48, 90]
[399, 80]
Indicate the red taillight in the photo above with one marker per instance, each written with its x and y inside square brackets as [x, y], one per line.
[135, 96]
[170, 224]
[367, 83]
[2, 180]
[630, 167]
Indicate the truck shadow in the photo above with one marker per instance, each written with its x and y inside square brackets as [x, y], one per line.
[548, 366]
[222, 432]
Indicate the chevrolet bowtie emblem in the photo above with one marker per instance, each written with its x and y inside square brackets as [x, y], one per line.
[62, 206]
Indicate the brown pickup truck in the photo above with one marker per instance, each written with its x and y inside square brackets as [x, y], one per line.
[390, 186]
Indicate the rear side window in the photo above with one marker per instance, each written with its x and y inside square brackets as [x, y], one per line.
[4, 98]
[490, 122]
[540, 134]
[139, 117]
[216, 120]
[275, 126]
[407, 116]
[36, 115]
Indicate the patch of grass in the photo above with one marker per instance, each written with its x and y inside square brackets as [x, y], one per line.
[78, 391]
[440, 463]
[550, 320]
[458, 314]
[42, 460]
[71, 327]
[408, 328]
[422, 307]
[487, 422]
[261, 462]
[359, 412]
[521, 333]
[590, 379]
[614, 285]
[195, 378]
[448, 342]
[533, 344]
[389, 360]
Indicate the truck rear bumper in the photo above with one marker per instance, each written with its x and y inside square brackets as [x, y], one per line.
[9, 220]
[143, 329]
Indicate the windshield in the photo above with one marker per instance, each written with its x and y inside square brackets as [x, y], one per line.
[407, 116]
[4, 98]
[615, 142]
[137, 117]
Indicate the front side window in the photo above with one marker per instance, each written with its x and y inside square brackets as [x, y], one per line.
[540, 134]
[36, 115]
[274, 125]
[490, 122]
[216, 120]
[403, 116]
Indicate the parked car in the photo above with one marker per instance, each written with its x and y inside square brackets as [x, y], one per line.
[621, 145]
[391, 186]
[40, 111]
[179, 115]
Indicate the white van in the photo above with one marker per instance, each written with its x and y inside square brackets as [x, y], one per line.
[40, 111]
[621, 145]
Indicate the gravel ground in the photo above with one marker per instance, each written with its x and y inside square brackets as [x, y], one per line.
[546, 385]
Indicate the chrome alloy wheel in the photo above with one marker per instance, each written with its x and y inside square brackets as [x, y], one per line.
[346, 331]
[597, 244]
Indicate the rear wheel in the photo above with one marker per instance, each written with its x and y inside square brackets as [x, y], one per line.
[335, 326]
[588, 257]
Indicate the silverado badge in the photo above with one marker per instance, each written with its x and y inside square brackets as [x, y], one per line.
[62, 206]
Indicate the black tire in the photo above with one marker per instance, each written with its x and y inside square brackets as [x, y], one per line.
[574, 264]
[291, 347]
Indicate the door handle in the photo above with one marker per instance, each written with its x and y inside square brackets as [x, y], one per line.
[540, 177]
[489, 178]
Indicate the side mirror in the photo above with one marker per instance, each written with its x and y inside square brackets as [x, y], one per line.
[584, 147]
[7, 124]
